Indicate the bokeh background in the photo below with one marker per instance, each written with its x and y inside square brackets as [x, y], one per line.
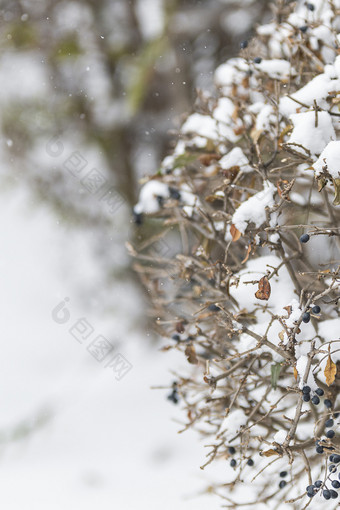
[91, 95]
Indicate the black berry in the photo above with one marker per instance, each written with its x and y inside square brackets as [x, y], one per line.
[231, 450]
[328, 403]
[214, 308]
[318, 484]
[306, 389]
[310, 7]
[332, 468]
[304, 238]
[330, 434]
[283, 474]
[304, 28]
[233, 462]
[137, 218]
[174, 193]
[282, 484]
[243, 45]
[315, 400]
[177, 338]
[250, 462]
[306, 317]
[326, 494]
[316, 309]
[319, 449]
[334, 494]
[311, 490]
[319, 391]
[160, 200]
[173, 397]
[306, 397]
[257, 60]
[335, 484]
[336, 459]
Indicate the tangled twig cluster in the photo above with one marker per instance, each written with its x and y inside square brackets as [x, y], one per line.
[240, 258]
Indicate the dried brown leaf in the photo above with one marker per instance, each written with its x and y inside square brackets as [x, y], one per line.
[330, 371]
[236, 234]
[191, 354]
[264, 289]
[247, 255]
[336, 183]
[270, 453]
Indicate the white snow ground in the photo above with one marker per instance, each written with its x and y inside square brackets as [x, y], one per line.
[101, 443]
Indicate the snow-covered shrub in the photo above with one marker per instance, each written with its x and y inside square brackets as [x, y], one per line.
[242, 264]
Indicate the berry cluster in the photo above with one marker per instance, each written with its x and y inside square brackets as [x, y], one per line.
[306, 315]
[173, 396]
[306, 395]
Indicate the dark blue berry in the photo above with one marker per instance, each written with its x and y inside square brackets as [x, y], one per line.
[319, 391]
[306, 389]
[173, 397]
[334, 494]
[257, 60]
[316, 309]
[315, 400]
[336, 415]
[137, 218]
[326, 494]
[335, 484]
[331, 458]
[319, 449]
[233, 462]
[310, 7]
[250, 462]
[306, 397]
[282, 484]
[214, 308]
[310, 488]
[160, 200]
[306, 317]
[174, 193]
[283, 474]
[318, 484]
[304, 238]
[177, 338]
[243, 45]
[304, 28]
[231, 450]
[310, 494]
[330, 434]
[336, 459]
[328, 403]
[332, 468]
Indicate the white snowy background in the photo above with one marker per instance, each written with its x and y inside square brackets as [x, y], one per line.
[71, 435]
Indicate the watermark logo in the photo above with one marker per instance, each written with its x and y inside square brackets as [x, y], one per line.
[93, 180]
[99, 347]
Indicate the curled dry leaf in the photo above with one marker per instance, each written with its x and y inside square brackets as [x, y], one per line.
[236, 234]
[336, 183]
[330, 371]
[191, 354]
[270, 453]
[264, 289]
[247, 255]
